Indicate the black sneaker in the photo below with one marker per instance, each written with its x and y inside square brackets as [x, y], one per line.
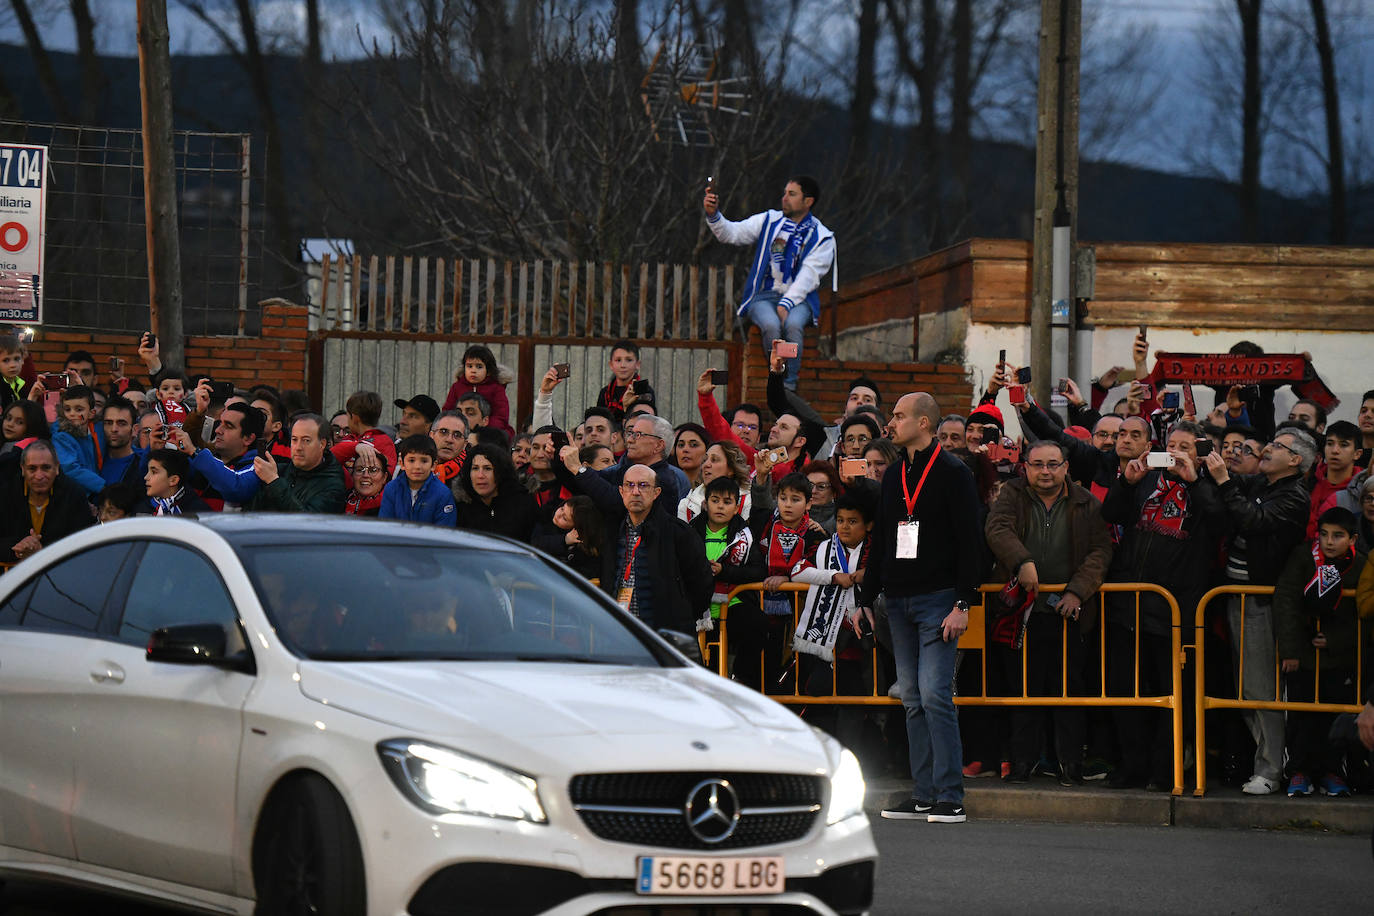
[908, 809]
[946, 813]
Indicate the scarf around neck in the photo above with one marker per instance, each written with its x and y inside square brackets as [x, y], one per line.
[1165, 509]
[1323, 590]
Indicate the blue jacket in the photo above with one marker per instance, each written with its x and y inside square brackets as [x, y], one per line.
[234, 484]
[433, 505]
[817, 257]
[76, 456]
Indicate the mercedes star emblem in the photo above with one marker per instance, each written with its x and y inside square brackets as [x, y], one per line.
[712, 810]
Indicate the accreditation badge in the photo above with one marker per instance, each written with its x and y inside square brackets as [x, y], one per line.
[908, 539]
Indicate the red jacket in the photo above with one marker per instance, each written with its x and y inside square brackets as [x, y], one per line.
[494, 392]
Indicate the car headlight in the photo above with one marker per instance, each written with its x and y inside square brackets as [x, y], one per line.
[846, 789]
[443, 781]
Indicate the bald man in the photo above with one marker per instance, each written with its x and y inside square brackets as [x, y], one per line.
[652, 564]
[925, 559]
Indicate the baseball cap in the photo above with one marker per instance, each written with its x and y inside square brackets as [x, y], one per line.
[422, 404]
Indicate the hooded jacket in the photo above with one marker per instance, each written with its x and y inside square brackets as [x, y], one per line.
[433, 504]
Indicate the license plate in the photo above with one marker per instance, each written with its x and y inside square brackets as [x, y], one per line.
[702, 876]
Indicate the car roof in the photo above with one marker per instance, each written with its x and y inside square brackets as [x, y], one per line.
[242, 529]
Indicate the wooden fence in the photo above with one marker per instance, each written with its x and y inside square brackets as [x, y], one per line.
[533, 299]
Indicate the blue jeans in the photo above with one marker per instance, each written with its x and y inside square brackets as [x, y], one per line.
[763, 312]
[925, 680]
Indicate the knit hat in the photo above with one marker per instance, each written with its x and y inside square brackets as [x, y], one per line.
[987, 413]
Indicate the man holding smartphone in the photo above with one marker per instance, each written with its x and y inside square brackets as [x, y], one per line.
[792, 251]
[925, 560]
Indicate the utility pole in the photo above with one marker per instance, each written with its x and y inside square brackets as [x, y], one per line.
[1052, 309]
[160, 182]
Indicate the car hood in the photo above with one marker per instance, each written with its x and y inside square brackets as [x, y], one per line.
[545, 700]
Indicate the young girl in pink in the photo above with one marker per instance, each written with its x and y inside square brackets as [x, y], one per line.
[481, 374]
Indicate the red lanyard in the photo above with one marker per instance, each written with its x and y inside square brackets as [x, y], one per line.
[630, 561]
[912, 497]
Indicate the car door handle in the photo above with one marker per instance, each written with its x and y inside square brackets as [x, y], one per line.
[109, 672]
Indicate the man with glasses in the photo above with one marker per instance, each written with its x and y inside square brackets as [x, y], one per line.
[652, 564]
[1091, 465]
[450, 434]
[646, 443]
[1267, 515]
[1105, 433]
[1046, 529]
[1241, 450]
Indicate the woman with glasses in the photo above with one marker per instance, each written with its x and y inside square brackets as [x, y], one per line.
[825, 487]
[370, 474]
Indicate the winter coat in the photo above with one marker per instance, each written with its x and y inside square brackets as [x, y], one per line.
[320, 489]
[1294, 627]
[433, 505]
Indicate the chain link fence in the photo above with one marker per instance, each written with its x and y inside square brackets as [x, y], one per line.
[96, 262]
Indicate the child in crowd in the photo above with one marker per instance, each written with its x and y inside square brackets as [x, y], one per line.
[481, 374]
[116, 501]
[78, 441]
[825, 630]
[171, 385]
[12, 387]
[625, 387]
[417, 495]
[168, 494]
[784, 546]
[1311, 617]
[729, 544]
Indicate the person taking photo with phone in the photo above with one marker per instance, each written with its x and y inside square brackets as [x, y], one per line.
[1171, 520]
[792, 252]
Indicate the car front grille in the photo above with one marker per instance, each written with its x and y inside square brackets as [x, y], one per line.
[649, 809]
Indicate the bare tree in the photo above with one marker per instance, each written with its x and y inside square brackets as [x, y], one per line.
[1251, 101]
[1331, 107]
[562, 162]
[47, 76]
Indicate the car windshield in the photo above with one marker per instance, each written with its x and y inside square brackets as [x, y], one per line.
[374, 602]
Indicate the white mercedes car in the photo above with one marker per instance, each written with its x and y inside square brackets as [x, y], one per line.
[292, 714]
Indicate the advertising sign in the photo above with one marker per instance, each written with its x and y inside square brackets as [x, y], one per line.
[23, 208]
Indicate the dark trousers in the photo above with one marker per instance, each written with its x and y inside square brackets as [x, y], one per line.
[1145, 735]
[1310, 750]
[756, 640]
[1045, 644]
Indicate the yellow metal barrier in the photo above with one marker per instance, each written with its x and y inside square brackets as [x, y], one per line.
[974, 639]
[1205, 702]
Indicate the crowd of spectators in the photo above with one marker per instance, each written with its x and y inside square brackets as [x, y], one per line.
[669, 516]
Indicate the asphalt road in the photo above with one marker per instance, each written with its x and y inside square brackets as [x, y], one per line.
[988, 867]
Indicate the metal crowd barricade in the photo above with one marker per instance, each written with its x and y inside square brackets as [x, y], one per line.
[1206, 702]
[974, 639]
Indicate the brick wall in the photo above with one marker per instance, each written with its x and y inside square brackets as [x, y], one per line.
[825, 382]
[276, 358]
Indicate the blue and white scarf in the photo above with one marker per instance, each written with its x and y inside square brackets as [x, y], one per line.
[785, 252]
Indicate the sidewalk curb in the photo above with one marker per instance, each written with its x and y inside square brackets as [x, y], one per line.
[1043, 801]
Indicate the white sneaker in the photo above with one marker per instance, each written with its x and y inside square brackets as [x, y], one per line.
[1259, 785]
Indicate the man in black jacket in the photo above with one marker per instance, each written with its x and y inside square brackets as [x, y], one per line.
[41, 505]
[925, 556]
[651, 563]
[1267, 514]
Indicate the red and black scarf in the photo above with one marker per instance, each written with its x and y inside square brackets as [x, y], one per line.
[1165, 509]
[1323, 591]
[614, 395]
[783, 543]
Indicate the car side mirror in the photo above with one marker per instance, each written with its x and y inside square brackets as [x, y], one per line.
[193, 644]
[683, 642]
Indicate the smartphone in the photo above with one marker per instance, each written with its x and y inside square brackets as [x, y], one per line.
[1003, 452]
[1017, 393]
[1169, 400]
[55, 381]
[1023, 375]
[1001, 357]
[785, 348]
[1159, 460]
[221, 391]
[26, 335]
[562, 370]
[1204, 447]
[152, 338]
[1063, 386]
[777, 455]
[1189, 404]
[641, 386]
[853, 467]
[1052, 601]
[559, 439]
[116, 364]
[1143, 331]
[710, 182]
[720, 376]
